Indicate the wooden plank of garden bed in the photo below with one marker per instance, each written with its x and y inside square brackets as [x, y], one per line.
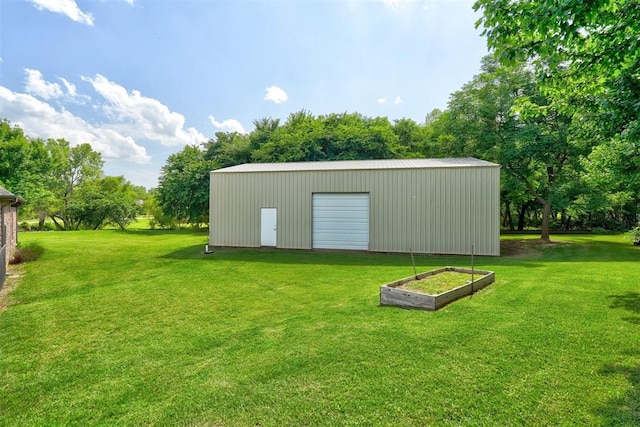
[404, 298]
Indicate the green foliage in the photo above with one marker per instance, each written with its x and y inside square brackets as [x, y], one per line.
[64, 183]
[584, 52]
[158, 218]
[228, 149]
[501, 116]
[304, 137]
[586, 55]
[183, 193]
[35, 226]
[634, 235]
[412, 139]
[104, 201]
[25, 166]
[278, 338]
[14, 155]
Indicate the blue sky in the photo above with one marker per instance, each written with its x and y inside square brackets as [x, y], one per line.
[139, 80]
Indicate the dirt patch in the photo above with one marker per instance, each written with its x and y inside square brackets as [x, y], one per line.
[14, 272]
[520, 248]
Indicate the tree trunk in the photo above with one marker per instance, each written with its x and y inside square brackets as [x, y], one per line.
[58, 226]
[522, 213]
[507, 219]
[41, 218]
[546, 214]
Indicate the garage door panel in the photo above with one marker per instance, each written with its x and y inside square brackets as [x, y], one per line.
[338, 215]
[347, 229]
[339, 202]
[341, 221]
[329, 237]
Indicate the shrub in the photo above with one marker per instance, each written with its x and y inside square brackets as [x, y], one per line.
[163, 222]
[26, 253]
[634, 235]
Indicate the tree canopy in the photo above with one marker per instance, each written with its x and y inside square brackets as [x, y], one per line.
[556, 104]
[586, 56]
[63, 182]
[535, 149]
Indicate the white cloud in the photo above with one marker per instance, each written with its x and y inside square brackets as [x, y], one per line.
[143, 117]
[381, 100]
[229, 125]
[71, 88]
[65, 7]
[395, 3]
[40, 119]
[130, 2]
[36, 85]
[275, 94]
[398, 100]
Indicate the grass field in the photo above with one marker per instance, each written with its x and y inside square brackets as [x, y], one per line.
[141, 328]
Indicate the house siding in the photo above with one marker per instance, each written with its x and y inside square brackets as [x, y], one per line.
[8, 228]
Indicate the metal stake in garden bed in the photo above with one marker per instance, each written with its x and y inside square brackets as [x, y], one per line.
[415, 273]
[472, 271]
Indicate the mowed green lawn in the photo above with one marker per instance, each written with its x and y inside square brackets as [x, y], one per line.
[141, 328]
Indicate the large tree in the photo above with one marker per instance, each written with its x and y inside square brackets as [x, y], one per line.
[228, 149]
[345, 136]
[183, 192]
[71, 168]
[110, 200]
[63, 182]
[14, 156]
[586, 55]
[501, 116]
[24, 169]
[583, 50]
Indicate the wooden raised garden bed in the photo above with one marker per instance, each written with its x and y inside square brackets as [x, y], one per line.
[396, 294]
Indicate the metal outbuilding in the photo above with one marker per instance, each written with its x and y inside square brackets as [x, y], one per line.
[439, 206]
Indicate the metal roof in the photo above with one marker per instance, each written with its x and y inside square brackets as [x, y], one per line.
[467, 162]
[7, 195]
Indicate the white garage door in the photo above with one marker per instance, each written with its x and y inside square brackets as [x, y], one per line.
[341, 221]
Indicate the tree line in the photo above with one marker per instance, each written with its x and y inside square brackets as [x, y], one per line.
[63, 183]
[555, 104]
[555, 175]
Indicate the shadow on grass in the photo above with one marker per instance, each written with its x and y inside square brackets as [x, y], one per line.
[328, 257]
[526, 253]
[569, 248]
[629, 301]
[160, 232]
[623, 410]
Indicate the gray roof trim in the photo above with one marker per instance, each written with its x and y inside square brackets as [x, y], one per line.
[12, 198]
[467, 162]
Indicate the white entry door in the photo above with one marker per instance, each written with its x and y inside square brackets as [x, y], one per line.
[268, 226]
